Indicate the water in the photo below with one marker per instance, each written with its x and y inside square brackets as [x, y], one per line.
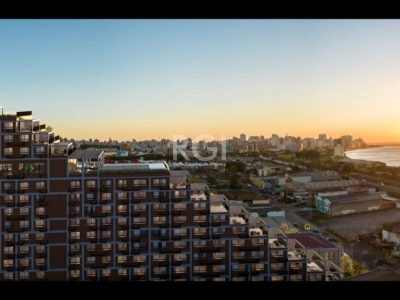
[387, 154]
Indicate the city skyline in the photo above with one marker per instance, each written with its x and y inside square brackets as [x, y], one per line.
[148, 79]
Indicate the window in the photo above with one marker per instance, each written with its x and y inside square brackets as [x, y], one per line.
[40, 185]
[122, 221]
[122, 208]
[180, 219]
[8, 263]
[40, 223]
[122, 195]
[40, 150]
[237, 255]
[122, 272]
[106, 259]
[139, 258]
[180, 257]
[24, 137]
[24, 150]
[24, 185]
[91, 273]
[179, 270]
[199, 206]
[40, 275]
[160, 206]
[91, 234]
[75, 235]
[159, 220]
[8, 138]
[75, 184]
[139, 195]
[8, 125]
[179, 244]
[106, 247]
[8, 211]
[199, 219]
[23, 249]
[257, 254]
[39, 236]
[106, 208]
[40, 249]
[5, 169]
[106, 196]
[40, 210]
[40, 261]
[24, 224]
[238, 243]
[25, 236]
[8, 151]
[121, 259]
[122, 246]
[106, 234]
[139, 271]
[75, 273]
[91, 183]
[180, 231]
[218, 255]
[74, 222]
[91, 260]
[24, 210]
[122, 233]
[198, 244]
[24, 262]
[180, 206]
[75, 260]
[159, 257]
[139, 220]
[159, 270]
[138, 182]
[199, 231]
[106, 183]
[122, 183]
[23, 199]
[91, 222]
[159, 181]
[200, 269]
[218, 268]
[139, 207]
[9, 250]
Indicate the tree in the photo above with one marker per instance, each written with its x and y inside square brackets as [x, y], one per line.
[49, 128]
[211, 180]
[234, 182]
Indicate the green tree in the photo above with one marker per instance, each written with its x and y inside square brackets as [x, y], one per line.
[49, 128]
[211, 180]
[234, 182]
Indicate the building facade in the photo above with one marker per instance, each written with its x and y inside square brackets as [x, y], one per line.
[66, 215]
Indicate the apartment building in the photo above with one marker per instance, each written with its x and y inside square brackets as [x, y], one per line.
[67, 215]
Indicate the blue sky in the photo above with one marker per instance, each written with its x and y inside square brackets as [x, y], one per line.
[155, 78]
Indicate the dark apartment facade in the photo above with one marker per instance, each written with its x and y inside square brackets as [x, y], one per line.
[66, 215]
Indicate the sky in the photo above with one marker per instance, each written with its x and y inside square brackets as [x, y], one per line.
[145, 79]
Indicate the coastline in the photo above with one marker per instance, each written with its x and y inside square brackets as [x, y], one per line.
[373, 158]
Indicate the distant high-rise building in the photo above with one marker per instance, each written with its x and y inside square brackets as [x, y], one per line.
[322, 137]
[275, 141]
[347, 141]
[338, 150]
[243, 137]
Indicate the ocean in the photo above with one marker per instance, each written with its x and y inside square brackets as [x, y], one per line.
[387, 154]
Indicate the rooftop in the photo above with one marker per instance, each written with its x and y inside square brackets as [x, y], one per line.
[86, 154]
[148, 166]
[218, 208]
[355, 197]
[332, 184]
[313, 267]
[311, 240]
